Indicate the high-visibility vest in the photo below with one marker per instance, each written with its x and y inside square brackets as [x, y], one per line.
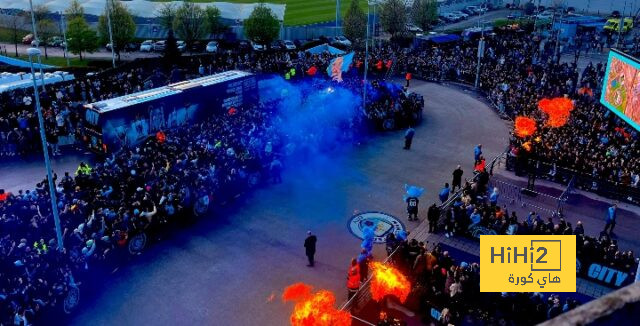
[353, 279]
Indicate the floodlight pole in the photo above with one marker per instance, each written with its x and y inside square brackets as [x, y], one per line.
[35, 37]
[366, 62]
[621, 24]
[337, 16]
[45, 150]
[113, 55]
[64, 37]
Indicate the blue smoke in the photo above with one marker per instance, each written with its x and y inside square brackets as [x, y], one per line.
[315, 116]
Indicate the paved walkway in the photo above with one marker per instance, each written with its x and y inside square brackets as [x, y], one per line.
[225, 269]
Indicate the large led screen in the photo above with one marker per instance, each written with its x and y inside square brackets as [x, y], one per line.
[621, 87]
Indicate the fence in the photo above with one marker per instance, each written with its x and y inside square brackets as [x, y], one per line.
[363, 295]
[574, 179]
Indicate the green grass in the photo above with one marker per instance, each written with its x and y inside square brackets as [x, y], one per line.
[304, 12]
[58, 61]
[6, 35]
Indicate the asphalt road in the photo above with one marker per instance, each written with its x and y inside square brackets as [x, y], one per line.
[225, 269]
[102, 53]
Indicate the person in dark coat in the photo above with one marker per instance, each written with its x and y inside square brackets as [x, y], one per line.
[457, 178]
[408, 138]
[433, 215]
[310, 247]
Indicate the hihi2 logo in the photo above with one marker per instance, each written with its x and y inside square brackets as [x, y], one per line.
[527, 263]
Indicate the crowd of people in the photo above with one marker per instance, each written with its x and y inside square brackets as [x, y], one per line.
[518, 70]
[141, 190]
[62, 103]
[163, 180]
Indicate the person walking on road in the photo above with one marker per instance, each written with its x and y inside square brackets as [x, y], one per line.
[457, 178]
[310, 247]
[408, 138]
[444, 193]
[611, 219]
[477, 152]
[433, 215]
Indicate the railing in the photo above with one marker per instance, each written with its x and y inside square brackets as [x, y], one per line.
[363, 295]
[579, 180]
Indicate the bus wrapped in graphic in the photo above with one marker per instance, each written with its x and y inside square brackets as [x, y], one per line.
[125, 121]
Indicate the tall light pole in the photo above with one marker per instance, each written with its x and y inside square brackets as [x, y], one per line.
[337, 16]
[366, 62]
[52, 187]
[64, 37]
[621, 24]
[113, 55]
[34, 30]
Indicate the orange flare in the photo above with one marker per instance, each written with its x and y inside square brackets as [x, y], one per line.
[558, 109]
[314, 309]
[525, 127]
[387, 280]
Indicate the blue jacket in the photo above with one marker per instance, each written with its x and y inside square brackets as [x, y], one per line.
[444, 194]
[477, 151]
[611, 214]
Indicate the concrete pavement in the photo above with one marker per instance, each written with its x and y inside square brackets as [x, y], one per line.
[225, 269]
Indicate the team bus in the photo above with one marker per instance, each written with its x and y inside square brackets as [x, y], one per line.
[127, 120]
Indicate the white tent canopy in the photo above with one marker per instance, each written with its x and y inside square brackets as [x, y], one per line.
[144, 8]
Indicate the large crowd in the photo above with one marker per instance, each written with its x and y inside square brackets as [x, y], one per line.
[162, 180]
[518, 70]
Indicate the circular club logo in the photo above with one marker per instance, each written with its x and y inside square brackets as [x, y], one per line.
[384, 224]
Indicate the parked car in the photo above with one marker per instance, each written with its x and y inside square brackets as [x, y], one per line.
[461, 14]
[146, 46]
[276, 46]
[27, 39]
[159, 46]
[413, 28]
[211, 47]
[257, 47]
[197, 46]
[55, 41]
[452, 17]
[244, 45]
[287, 44]
[131, 46]
[341, 40]
[181, 45]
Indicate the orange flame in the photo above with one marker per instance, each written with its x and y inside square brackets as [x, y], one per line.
[525, 127]
[314, 309]
[558, 109]
[387, 280]
[527, 146]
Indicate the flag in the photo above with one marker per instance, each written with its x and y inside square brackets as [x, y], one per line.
[339, 65]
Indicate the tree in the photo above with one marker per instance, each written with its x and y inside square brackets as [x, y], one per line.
[355, 21]
[393, 16]
[213, 23]
[171, 53]
[15, 23]
[74, 10]
[80, 37]
[166, 15]
[123, 28]
[189, 22]
[46, 30]
[424, 13]
[262, 26]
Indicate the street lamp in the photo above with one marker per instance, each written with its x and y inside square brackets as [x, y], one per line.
[113, 56]
[35, 37]
[366, 62]
[52, 188]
